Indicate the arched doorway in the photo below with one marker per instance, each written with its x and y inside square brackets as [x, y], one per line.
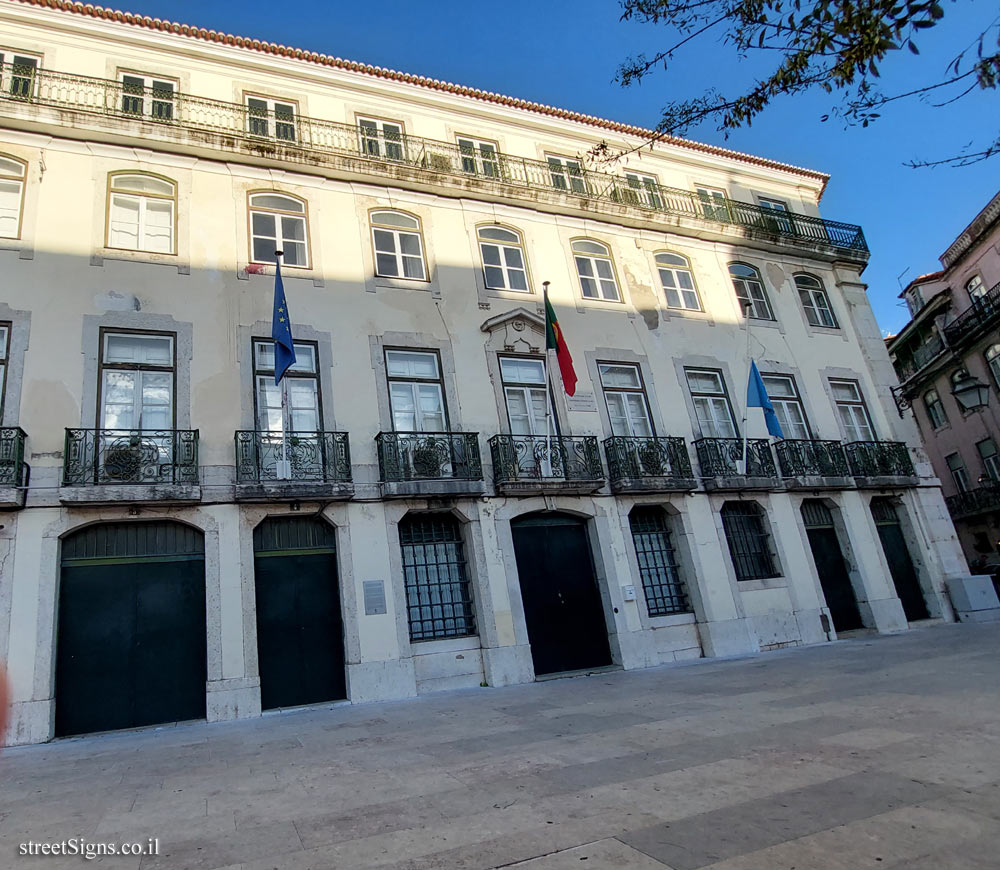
[562, 604]
[904, 575]
[830, 565]
[131, 637]
[300, 636]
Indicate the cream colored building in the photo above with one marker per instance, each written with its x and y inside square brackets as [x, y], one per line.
[153, 558]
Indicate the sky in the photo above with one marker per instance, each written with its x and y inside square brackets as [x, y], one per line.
[566, 54]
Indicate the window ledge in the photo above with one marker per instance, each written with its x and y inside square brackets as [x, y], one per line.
[381, 282]
[671, 620]
[150, 258]
[762, 584]
[448, 644]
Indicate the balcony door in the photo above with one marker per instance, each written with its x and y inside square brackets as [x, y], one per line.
[533, 424]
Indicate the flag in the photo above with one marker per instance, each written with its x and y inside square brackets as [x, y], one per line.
[757, 398]
[281, 329]
[554, 341]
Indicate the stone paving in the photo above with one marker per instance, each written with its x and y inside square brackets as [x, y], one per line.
[879, 752]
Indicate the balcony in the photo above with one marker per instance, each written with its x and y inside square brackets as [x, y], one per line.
[978, 318]
[72, 105]
[534, 464]
[721, 463]
[808, 464]
[417, 464]
[318, 466]
[130, 465]
[14, 471]
[648, 464]
[985, 499]
[879, 464]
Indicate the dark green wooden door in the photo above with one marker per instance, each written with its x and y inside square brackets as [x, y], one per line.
[904, 575]
[830, 565]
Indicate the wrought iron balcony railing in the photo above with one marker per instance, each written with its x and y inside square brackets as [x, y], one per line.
[806, 458]
[723, 457]
[518, 458]
[974, 501]
[318, 457]
[125, 456]
[635, 459]
[13, 468]
[931, 348]
[879, 459]
[980, 316]
[404, 456]
[156, 114]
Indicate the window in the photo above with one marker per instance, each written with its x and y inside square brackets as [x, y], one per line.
[12, 174]
[750, 291]
[503, 259]
[935, 410]
[271, 119]
[596, 271]
[625, 397]
[815, 301]
[438, 597]
[714, 202]
[526, 393]
[644, 189]
[141, 213]
[399, 250]
[975, 288]
[749, 542]
[381, 139]
[18, 74]
[784, 396]
[991, 459]
[993, 361]
[853, 413]
[914, 300]
[479, 157]
[137, 381]
[278, 223]
[301, 383]
[677, 281]
[777, 217]
[4, 356]
[567, 174]
[711, 403]
[148, 97]
[958, 473]
[654, 549]
[416, 393]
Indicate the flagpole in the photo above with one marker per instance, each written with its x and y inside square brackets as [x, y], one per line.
[548, 387]
[285, 471]
[746, 410]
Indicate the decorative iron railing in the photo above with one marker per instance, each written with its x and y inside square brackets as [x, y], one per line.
[518, 458]
[312, 456]
[723, 457]
[931, 348]
[116, 456]
[806, 458]
[974, 501]
[981, 315]
[632, 458]
[879, 459]
[404, 456]
[13, 468]
[154, 114]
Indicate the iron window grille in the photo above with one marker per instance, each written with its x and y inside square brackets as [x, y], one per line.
[749, 541]
[661, 579]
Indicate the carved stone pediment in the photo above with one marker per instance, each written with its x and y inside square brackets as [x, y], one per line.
[517, 331]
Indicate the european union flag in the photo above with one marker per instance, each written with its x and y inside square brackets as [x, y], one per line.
[281, 329]
[757, 398]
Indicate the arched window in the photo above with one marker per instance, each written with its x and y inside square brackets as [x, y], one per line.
[677, 281]
[750, 291]
[815, 301]
[278, 222]
[399, 247]
[142, 213]
[993, 361]
[749, 541]
[975, 288]
[654, 549]
[596, 270]
[12, 173]
[503, 258]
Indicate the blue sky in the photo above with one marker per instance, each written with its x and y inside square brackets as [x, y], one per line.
[566, 54]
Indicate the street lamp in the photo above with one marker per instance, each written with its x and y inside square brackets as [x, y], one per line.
[970, 393]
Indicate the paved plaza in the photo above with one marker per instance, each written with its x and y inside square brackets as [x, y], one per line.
[869, 752]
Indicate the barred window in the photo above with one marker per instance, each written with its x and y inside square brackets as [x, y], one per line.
[438, 597]
[661, 579]
[749, 542]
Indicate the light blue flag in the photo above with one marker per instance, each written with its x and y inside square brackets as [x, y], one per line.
[757, 398]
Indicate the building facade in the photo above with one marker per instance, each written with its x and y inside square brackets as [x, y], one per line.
[953, 341]
[420, 510]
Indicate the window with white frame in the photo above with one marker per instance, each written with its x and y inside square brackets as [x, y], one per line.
[12, 174]
[711, 403]
[381, 139]
[975, 288]
[645, 189]
[142, 213]
[526, 395]
[959, 474]
[987, 449]
[137, 381]
[815, 301]
[416, 391]
[18, 73]
[278, 222]
[993, 362]
[503, 258]
[399, 247]
[302, 410]
[935, 410]
[595, 270]
[271, 119]
[784, 396]
[148, 96]
[4, 356]
[567, 174]
[625, 397]
[750, 291]
[852, 410]
[479, 156]
[677, 281]
[714, 202]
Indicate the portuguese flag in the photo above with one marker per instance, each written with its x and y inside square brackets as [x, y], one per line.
[554, 341]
